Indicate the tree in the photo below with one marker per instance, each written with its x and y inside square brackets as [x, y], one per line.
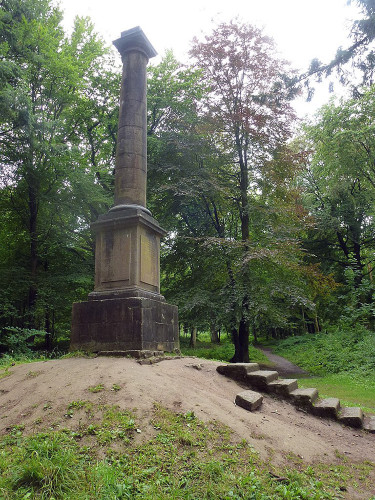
[250, 115]
[358, 59]
[54, 114]
[339, 184]
[177, 147]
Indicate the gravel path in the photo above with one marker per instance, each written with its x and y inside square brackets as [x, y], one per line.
[282, 365]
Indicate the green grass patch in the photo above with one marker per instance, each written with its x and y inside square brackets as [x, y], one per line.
[79, 354]
[219, 352]
[96, 388]
[186, 459]
[352, 390]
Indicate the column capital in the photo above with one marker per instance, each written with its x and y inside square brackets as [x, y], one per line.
[134, 39]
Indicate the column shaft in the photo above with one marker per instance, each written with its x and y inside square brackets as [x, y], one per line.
[131, 154]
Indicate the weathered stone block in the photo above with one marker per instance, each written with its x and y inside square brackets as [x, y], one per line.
[327, 408]
[249, 400]
[369, 424]
[237, 371]
[124, 324]
[351, 416]
[304, 397]
[283, 387]
[261, 378]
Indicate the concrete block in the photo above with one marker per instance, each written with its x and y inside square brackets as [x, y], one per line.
[327, 408]
[237, 371]
[283, 387]
[249, 400]
[352, 416]
[369, 424]
[261, 378]
[304, 397]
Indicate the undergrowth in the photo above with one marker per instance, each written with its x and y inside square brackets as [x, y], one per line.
[338, 350]
[186, 459]
[223, 351]
[343, 361]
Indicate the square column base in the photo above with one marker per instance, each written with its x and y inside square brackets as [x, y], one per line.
[124, 324]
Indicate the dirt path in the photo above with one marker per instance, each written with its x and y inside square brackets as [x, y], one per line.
[282, 365]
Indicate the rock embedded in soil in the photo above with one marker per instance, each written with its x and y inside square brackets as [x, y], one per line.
[352, 416]
[369, 424]
[237, 371]
[249, 400]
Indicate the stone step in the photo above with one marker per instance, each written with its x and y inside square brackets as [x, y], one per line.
[283, 386]
[352, 416]
[237, 371]
[327, 408]
[369, 424]
[304, 397]
[261, 378]
[249, 400]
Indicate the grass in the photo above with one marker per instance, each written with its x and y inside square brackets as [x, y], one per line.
[96, 388]
[186, 459]
[351, 390]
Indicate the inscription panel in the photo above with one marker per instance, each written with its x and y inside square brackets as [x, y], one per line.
[149, 259]
[115, 256]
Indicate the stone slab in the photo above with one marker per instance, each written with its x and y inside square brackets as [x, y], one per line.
[304, 397]
[249, 400]
[237, 371]
[124, 324]
[369, 424]
[261, 378]
[283, 387]
[327, 408]
[351, 416]
[134, 38]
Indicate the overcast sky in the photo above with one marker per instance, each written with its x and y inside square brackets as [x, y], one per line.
[302, 29]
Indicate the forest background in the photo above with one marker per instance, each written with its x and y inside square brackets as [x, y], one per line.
[270, 221]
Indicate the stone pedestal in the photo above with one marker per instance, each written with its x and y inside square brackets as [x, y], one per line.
[125, 312]
[127, 252]
[124, 324]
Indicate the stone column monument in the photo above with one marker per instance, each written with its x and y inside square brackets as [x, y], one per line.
[125, 314]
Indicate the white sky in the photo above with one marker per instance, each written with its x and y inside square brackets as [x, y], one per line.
[302, 29]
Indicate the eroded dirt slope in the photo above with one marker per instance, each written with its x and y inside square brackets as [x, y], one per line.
[37, 395]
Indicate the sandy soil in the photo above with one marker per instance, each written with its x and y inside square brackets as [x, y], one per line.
[37, 395]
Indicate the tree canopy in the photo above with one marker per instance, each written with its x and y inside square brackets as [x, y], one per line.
[267, 228]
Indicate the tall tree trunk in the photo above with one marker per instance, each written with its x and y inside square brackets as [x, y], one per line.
[316, 323]
[241, 343]
[255, 335]
[304, 326]
[193, 336]
[48, 336]
[244, 328]
[33, 233]
[214, 334]
[236, 343]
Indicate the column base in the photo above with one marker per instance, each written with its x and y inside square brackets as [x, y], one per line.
[115, 324]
